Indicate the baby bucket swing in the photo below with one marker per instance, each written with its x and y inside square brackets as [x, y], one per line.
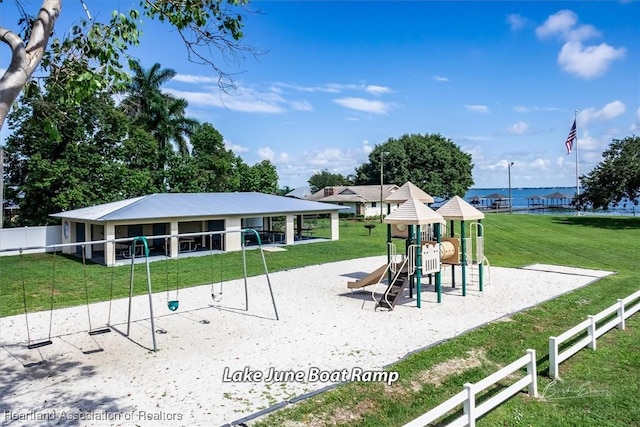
[172, 304]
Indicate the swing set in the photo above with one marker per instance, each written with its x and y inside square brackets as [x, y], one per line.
[172, 293]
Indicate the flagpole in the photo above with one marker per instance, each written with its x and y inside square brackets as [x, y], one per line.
[575, 118]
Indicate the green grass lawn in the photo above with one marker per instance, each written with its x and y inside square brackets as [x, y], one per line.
[609, 377]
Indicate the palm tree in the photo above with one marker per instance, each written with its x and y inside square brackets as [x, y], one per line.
[160, 114]
[174, 126]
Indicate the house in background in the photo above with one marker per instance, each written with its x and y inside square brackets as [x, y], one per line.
[170, 214]
[362, 200]
[300, 192]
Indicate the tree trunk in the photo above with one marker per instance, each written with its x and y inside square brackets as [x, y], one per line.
[25, 59]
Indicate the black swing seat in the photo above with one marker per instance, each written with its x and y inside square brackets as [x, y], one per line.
[100, 331]
[39, 344]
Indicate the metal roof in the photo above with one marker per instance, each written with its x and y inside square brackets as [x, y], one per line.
[300, 192]
[184, 205]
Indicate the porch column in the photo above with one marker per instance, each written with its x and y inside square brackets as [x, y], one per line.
[288, 230]
[335, 226]
[88, 238]
[173, 229]
[233, 241]
[109, 247]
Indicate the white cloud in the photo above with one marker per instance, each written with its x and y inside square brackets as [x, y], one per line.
[541, 164]
[587, 61]
[477, 108]
[235, 147]
[516, 21]
[563, 25]
[437, 78]
[246, 100]
[525, 109]
[333, 88]
[366, 147]
[301, 106]
[361, 104]
[502, 164]
[377, 90]
[473, 138]
[191, 78]
[587, 142]
[608, 112]
[518, 128]
[266, 153]
[558, 23]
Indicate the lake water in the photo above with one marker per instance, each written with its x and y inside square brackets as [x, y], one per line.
[526, 197]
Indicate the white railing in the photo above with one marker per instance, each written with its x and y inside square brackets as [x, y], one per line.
[624, 308]
[467, 397]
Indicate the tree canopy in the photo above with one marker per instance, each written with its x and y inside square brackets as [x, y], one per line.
[324, 178]
[615, 179]
[99, 154]
[96, 54]
[430, 161]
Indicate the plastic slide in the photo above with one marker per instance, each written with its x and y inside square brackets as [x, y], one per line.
[369, 279]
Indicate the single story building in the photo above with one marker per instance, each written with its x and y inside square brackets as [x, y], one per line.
[362, 200]
[180, 213]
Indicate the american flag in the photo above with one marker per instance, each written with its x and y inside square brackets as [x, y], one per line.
[570, 138]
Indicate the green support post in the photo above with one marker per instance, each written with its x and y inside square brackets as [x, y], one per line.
[438, 275]
[463, 247]
[452, 233]
[389, 246]
[480, 262]
[410, 239]
[418, 261]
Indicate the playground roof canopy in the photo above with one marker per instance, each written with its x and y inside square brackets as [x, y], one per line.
[184, 205]
[408, 191]
[456, 209]
[414, 212]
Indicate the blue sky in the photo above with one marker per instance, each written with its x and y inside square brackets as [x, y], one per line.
[501, 79]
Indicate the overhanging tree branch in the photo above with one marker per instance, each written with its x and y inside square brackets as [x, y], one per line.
[25, 59]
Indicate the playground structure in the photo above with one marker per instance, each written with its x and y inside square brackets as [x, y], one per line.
[428, 249]
[135, 244]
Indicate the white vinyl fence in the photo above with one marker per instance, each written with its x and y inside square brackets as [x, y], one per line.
[467, 397]
[623, 309]
[25, 237]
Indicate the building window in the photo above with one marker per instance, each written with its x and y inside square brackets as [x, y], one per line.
[374, 204]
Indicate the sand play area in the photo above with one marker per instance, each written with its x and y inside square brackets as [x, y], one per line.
[213, 362]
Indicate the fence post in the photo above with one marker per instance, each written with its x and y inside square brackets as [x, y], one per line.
[553, 357]
[591, 332]
[531, 372]
[470, 405]
[621, 325]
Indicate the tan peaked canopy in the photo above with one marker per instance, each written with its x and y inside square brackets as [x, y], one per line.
[457, 209]
[407, 192]
[414, 212]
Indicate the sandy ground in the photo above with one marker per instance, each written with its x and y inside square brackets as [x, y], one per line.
[111, 379]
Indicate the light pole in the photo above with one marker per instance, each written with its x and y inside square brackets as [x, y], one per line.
[382, 153]
[509, 167]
